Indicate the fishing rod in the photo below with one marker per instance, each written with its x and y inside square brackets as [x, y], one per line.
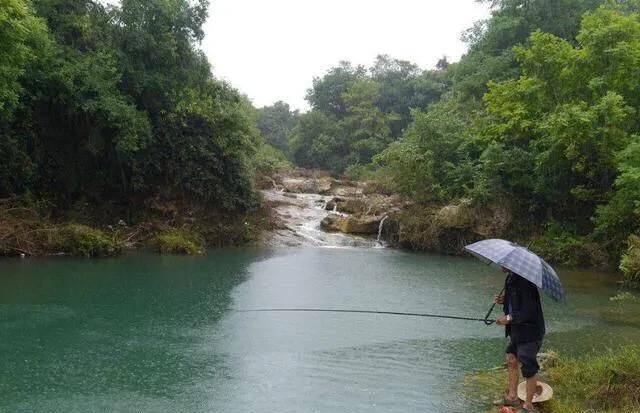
[486, 320]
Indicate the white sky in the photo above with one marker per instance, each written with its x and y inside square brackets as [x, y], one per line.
[272, 49]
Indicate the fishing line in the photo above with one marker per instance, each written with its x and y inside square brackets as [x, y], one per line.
[487, 321]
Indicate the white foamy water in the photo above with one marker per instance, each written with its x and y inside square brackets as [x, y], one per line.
[302, 214]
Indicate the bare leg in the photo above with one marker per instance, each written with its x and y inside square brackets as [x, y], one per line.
[514, 375]
[532, 383]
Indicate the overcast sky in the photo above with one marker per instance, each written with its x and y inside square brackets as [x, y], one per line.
[272, 49]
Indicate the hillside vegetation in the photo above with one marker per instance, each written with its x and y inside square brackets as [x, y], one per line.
[540, 116]
[111, 114]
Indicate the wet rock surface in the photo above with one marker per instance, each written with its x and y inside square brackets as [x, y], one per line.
[368, 224]
[312, 209]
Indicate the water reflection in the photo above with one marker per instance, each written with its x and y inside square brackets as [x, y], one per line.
[156, 334]
[75, 329]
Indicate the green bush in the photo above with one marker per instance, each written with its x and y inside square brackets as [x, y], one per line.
[269, 160]
[630, 262]
[81, 240]
[566, 248]
[178, 241]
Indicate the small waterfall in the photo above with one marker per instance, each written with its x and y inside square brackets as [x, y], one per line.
[380, 227]
[335, 207]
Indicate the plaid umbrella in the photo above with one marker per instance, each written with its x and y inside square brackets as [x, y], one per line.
[521, 261]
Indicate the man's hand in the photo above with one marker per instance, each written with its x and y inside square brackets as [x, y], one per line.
[502, 320]
[498, 299]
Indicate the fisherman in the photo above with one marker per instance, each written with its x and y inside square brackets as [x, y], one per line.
[524, 325]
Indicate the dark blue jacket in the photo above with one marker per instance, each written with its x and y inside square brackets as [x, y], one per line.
[528, 321]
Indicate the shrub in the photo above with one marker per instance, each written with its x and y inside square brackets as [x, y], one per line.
[566, 248]
[269, 160]
[630, 262]
[178, 241]
[84, 241]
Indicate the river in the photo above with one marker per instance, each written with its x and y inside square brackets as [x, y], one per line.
[147, 333]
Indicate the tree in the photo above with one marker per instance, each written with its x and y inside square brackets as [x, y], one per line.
[120, 105]
[491, 42]
[366, 126]
[23, 36]
[326, 93]
[424, 164]
[404, 86]
[275, 123]
[315, 143]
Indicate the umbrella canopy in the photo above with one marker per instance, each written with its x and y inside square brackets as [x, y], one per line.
[521, 261]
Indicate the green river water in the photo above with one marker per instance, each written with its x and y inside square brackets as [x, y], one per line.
[147, 333]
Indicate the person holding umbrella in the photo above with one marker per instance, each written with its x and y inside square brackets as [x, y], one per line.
[523, 318]
[524, 325]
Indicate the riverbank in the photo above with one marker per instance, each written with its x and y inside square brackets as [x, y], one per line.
[30, 228]
[372, 209]
[300, 207]
[597, 383]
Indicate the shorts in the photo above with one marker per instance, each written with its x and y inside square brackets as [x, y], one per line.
[526, 353]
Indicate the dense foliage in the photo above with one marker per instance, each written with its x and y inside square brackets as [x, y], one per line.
[356, 112]
[275, 123]
[541, 113]
[117, 104]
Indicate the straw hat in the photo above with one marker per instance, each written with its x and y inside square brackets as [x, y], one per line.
[544, 392]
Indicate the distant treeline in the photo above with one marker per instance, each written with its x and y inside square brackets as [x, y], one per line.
[115, 104]
[541, 113]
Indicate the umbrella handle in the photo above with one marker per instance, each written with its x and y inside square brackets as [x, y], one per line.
[486, 317]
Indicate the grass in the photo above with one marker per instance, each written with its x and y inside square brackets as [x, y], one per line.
[596, 383]
[178, 241]
[83, 241]
[630, 262]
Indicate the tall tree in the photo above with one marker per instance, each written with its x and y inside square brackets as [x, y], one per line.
[276, 122]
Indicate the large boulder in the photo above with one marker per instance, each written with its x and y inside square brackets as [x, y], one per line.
[346, 191]
[351, 224]
[347, 205]
[493, 220]
[454, 216]
[363, 205]
[320, 185]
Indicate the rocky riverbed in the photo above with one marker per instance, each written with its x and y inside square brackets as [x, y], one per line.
[321, 211]
[311, 208]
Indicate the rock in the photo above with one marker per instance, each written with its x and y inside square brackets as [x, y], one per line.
[352, 205]
[331, 205]
[546, 360]
[351, 224]
[323, 185]
[454, 216]
[307, 185]
[364, 205]
[300, 185]
[346, 191]
[492, 220]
